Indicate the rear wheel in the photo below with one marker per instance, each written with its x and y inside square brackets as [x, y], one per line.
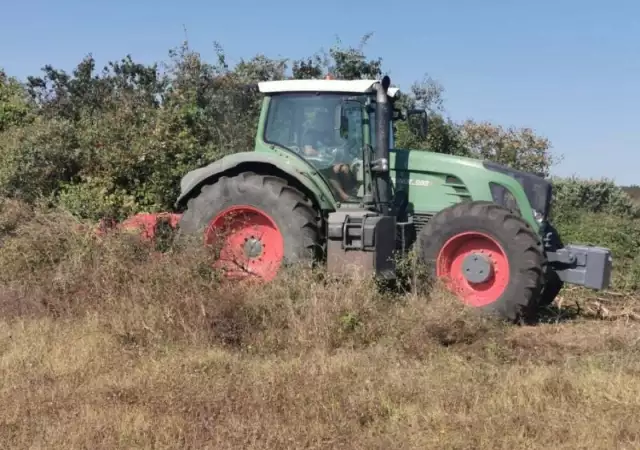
[488, 257]
[258, 223]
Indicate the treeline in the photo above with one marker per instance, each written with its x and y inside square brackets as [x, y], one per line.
[116, 141]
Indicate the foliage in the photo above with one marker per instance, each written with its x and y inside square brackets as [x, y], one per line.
[443, 137]
[38, 158]
[520, 148]
[620, 234]
[14, 106]
[597, 212]
[119, 141]
[597, 196]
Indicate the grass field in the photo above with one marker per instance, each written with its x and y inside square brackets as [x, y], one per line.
[106, 345]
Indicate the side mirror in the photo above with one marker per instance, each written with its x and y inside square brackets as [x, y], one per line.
[418, 122]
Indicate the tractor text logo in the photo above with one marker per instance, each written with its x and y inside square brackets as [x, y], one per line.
[412, 182]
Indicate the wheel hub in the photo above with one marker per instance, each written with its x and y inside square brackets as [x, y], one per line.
[477, 268]
[253, 247]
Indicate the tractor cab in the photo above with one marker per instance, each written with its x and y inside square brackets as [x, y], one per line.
[332, 125]
[343, 130]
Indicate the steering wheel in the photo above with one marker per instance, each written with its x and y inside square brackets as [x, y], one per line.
[325, 158]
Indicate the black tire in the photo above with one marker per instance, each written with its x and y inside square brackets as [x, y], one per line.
[289, 208]
[553, 284]
[552, 287]
[522, 250]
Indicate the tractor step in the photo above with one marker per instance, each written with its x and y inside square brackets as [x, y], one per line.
[362, 240]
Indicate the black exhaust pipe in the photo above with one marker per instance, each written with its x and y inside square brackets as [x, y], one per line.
[383, 141]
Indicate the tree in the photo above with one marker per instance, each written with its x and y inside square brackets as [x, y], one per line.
[351, 63]
[15, 108]
[308, 68]
[518, 148]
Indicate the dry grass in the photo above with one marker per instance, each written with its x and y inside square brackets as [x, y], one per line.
[103, 345]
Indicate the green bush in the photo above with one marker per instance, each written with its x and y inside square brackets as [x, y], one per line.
[15, 109]
[620, 234]
[118, 142]
[38, 157]
[597, 196]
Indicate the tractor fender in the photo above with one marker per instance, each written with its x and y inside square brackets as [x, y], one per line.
[296, 169]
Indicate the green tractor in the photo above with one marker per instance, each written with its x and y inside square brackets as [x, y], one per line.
[325, 183]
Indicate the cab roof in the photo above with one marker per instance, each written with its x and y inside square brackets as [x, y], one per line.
[346, 86]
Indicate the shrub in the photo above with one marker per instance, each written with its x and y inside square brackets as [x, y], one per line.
[119, 141]
[620, 234]
[597, 196]
[15, 109]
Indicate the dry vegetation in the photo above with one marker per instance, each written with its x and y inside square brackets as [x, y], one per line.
[105, 344]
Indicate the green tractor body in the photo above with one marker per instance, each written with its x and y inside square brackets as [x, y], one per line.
[325, 183]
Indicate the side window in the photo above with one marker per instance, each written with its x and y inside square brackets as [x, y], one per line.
[279, 128]
[298, 121]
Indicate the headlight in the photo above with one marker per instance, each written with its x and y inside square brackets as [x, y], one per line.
[502, 196]
[537, 189]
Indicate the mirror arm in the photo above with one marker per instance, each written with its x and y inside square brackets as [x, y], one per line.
[424, 125]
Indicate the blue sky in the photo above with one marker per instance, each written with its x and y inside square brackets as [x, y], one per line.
[565, 68]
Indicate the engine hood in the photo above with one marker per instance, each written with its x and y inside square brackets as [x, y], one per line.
[537, 190]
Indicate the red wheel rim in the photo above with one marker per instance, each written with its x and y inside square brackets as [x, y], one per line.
[451, 268]
[249, 242]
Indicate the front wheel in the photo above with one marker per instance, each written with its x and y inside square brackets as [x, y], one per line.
[488, 257]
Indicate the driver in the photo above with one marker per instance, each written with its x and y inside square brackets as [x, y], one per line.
[323, 136]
